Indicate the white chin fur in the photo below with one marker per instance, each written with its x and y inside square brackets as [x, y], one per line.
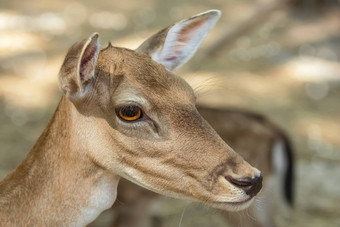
[233, 206]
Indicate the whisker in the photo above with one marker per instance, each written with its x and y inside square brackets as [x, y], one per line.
[251, 215]
[203, 84]
[180, 221]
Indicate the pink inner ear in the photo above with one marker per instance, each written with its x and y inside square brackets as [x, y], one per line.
[184, 37]
[171, 58]
[187, 31]
[87, 63]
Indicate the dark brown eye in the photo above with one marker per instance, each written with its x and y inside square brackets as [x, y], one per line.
[130, 113]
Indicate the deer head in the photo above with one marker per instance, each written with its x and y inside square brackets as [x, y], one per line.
[137, 119]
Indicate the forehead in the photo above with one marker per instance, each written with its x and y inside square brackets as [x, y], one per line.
[149, 76]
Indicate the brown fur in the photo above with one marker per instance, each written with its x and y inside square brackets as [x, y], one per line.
[54, 180]
[250, 134]
[71, 174]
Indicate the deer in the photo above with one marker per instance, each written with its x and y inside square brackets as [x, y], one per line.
[124, 113]
[259, 141]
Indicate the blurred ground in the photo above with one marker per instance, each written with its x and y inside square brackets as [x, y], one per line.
[287, 68]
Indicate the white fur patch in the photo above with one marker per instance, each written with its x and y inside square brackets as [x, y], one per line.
[131, 96]
[102, 198]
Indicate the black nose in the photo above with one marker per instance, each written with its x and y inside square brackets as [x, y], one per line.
[251, 186]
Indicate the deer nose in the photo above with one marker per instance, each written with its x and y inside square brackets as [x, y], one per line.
[251, 186]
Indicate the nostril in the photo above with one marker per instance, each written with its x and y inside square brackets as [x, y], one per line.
[240, 182]
[251, 186]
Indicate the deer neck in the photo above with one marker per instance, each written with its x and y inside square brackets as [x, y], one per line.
[57, 183]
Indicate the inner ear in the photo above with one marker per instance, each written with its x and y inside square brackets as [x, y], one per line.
[88, 60]
[78, 68]
[174, 46]
[88, 63]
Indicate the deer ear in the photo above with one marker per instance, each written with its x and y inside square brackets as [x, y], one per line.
[175, 45]
[78, 70]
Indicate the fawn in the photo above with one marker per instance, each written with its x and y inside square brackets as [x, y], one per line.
[124, 114]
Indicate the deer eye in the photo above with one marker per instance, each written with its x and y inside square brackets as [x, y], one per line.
[129, 113]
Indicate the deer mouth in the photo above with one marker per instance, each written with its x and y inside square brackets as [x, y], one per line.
[234, 206]
[240, 202]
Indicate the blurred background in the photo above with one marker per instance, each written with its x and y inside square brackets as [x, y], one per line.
[276, 57]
